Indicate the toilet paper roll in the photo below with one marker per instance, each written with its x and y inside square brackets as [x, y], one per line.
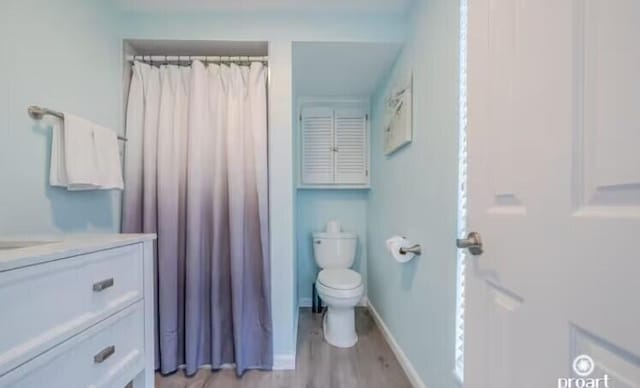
[394, 244]
[333, 226]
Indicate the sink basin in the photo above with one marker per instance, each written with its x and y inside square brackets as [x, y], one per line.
[22, 244]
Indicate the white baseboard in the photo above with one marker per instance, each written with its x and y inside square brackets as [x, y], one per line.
[413, 376]
[284, 361]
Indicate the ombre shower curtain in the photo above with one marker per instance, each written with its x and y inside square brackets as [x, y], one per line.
[196, 174]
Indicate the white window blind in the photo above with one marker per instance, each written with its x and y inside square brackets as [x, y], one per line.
[351, 156]
[317, 145]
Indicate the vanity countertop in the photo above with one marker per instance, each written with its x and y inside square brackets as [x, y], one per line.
[39, 249]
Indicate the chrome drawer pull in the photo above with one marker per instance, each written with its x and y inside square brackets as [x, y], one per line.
[103, 285]
[104, 354]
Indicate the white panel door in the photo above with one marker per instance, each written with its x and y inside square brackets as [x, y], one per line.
[317, 145]
[351, 147]
[554, 191]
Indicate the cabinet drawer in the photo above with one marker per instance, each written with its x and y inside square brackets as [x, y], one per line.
[109, 355]
[45, 304]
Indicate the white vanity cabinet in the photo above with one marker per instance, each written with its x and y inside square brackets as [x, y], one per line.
[78, 313]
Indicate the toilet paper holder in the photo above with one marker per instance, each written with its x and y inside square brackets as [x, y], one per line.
[416, 249]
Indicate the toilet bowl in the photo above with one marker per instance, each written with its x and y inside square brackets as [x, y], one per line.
[340, 290]
[339, 287]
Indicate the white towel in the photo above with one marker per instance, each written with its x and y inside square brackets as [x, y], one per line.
[84, 156]
[57, 170]
[107, 157]
[79, 154]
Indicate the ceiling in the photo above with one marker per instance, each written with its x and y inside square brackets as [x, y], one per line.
[322, 6]
[341, 69]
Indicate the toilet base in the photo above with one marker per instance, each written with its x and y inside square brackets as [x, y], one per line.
[339, 327]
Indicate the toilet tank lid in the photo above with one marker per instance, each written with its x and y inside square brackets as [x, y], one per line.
[341, 235]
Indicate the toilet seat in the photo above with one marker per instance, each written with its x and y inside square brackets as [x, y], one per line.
[340, 279]
[340, 290]
[341, 284]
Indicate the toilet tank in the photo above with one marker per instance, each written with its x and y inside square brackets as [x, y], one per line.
[334, 250]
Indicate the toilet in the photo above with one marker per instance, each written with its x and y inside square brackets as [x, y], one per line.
[339, 287]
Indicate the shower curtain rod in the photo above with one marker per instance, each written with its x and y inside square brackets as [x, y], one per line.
[190, 58]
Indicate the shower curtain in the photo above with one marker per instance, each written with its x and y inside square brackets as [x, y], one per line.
[196, 174]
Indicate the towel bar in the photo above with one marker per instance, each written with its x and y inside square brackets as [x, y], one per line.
[38, 112]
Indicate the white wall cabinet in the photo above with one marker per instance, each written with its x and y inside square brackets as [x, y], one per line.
[334, 146]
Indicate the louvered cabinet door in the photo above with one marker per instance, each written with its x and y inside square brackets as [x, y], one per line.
[317, 146]
[351, 147]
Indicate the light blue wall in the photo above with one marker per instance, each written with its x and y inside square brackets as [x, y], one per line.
[414, 193]
[280, 30]
[63, 54]
[314, 209]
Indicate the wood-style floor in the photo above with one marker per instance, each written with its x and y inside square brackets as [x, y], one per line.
[369, 364]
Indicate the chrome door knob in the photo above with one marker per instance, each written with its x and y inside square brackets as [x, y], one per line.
[473, 243]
